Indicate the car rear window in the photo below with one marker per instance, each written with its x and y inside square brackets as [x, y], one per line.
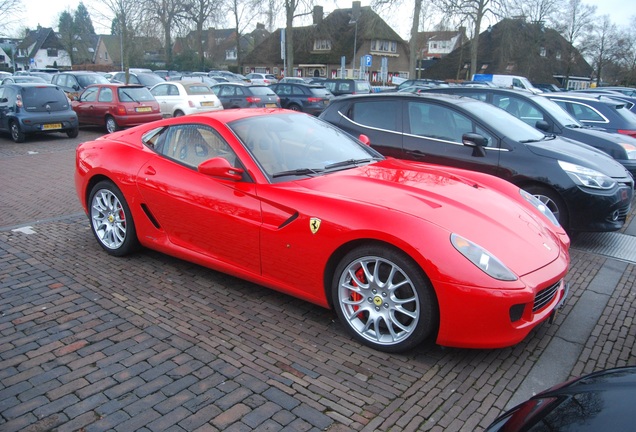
[43, 98]
[264, 91]
[134, 94]
[320, 92]
[198, 89]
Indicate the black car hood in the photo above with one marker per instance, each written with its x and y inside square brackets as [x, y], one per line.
[577, 153]
[602, 401]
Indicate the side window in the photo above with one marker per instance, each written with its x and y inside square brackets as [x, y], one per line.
[379, 114]
[160, 90]
[192, 144]
[586, 113]
[173, 90]
[106, 95]
[297, 91]
[89, 95]
[478, 96]
[227, 91]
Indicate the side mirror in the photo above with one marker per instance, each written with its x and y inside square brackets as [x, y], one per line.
[542, 125]
[477, 142]
[220, 167]
[364, 139]
[76, 87]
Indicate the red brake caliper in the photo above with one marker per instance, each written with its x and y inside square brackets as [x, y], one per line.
[356, 297]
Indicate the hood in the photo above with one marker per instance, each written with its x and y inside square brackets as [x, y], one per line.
[575, 152]
[520, 237]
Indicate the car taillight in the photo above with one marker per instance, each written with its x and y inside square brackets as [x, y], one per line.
[266, 81]
[121, 110]
[631, 133]
[314, 99]
[191, 104]
[18, 101]
[251, 99]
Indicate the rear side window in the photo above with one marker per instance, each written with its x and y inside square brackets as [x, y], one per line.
[38, 98]
[381, 114]
[320, 92]
[263, 91]
[362, 87]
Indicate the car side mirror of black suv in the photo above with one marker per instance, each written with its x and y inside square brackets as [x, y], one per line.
[477, 142]
[542, 125]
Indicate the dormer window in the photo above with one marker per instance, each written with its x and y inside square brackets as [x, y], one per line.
[230, 54]
[384, 46]
[322, 45]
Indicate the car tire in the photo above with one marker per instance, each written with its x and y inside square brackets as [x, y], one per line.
[178, 113]
[111, 125]
[73, 133]
[16, 133]
[553, 201]
[388, 315]
[111, 220]
[294, 107]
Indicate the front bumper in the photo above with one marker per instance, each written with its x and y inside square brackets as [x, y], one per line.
[592, 210]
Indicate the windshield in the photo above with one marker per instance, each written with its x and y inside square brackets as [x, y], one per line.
[149, 79]
[561, 115]
[299, 144]
[504, 123]
[86, 80]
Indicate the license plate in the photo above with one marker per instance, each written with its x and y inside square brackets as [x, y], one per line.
[270, 105]
[51, 126]
[143, 109]
[207, 103]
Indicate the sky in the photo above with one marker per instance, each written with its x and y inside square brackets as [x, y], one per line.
[46, 12]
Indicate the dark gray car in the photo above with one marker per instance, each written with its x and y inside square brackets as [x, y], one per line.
[547, 116]
[31, 108]
[233, 95]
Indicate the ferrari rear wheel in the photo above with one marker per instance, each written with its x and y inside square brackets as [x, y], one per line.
[384, 299]
[111, 220]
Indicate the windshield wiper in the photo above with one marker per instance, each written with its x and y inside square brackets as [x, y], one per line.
[298, 172]
[348, 163]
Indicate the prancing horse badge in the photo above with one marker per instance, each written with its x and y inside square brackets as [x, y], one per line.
[314, 225]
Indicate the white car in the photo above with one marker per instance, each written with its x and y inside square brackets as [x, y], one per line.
[260, 78]
[177, 98]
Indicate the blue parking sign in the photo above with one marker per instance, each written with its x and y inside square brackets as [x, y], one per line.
[367, 60]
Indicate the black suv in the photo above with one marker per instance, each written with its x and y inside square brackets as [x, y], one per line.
[547, 116]
[74, 83]
[35, 108]
[311, 99]
[344, 86]
[585, 188]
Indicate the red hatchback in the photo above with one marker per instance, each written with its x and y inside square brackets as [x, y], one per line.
[116, 106]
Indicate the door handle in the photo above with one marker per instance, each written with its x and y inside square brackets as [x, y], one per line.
[150, 171]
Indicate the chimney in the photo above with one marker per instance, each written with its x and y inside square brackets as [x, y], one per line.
[317, 14]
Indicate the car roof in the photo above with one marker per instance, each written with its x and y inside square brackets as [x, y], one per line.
[30, 84]
[590, 98]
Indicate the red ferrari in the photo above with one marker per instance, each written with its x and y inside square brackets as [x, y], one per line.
[400, 250]
[116, 106]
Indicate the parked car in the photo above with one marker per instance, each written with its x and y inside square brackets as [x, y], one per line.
[311, 99]
[31, 108]
[46, 76]
[234, 95]
[204, 78]
[74, 82]
[140, 78]
[227, 76]
[177, 98]
[167, 75]
[20, 79]
[297, 80]
[116, 105]
[599, 111]
[343, 86]
[600, 401]
[277, 197]
[630, 101]
[418, 82]
[260, 78]
[584, 188]
[547, 116]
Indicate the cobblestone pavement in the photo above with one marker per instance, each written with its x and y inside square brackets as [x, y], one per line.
[150, 343]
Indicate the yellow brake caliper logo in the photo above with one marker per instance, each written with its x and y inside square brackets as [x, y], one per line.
[314, 225]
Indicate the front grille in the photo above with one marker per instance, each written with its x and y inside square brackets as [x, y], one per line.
[545, 296]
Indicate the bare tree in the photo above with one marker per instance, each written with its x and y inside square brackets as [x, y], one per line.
[533, 10]
[602, 45]
[472, 11]
[573, 22]
[244, 13]
[169, 14]
[200, 13]
[10, 11]
[293, 9]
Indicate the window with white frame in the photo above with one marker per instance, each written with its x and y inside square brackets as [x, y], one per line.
[230, 54]
[542, 52]
[384, 46]
[322, 45]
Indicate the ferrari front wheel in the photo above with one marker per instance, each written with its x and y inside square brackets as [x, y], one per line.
[384, 299]
[111, 220]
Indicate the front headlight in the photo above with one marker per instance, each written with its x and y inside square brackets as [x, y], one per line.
[539, 206]
[483, 259]
[587, 177]
[630, 149]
